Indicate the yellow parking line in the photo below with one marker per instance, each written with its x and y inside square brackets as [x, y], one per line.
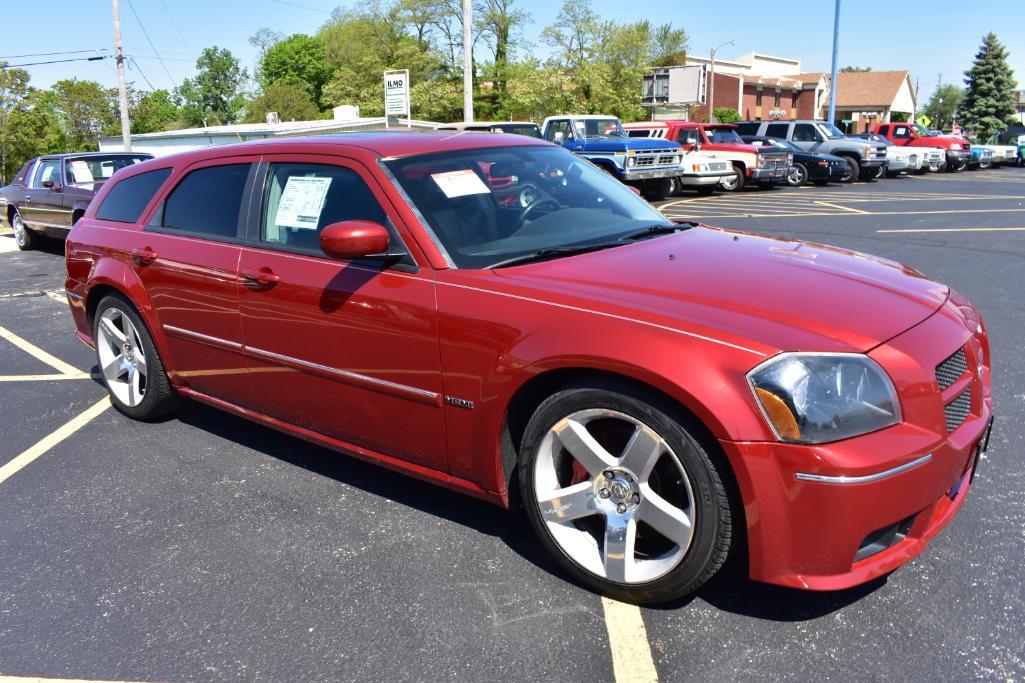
[837, 206]
[54, 362]
[955, 230]
[50, 440]
[628, 640]
[43, 378]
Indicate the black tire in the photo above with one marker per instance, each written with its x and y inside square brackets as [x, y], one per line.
[737, 183]
[657, 190]
[159, 398]
[710, 542]
[853, 170]
[25, 238]
[958, 166]
[798, 175]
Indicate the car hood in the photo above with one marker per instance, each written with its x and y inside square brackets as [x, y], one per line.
[619, 144]
[941, 141]
[746, 289]
[738, 148]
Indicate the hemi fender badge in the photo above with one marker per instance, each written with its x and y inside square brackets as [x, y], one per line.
[461, 402]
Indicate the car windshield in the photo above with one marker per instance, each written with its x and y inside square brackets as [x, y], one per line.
[722, 135]
[488, 206]
[93, 169]
[530, 130]
[598, 128]
[923, 131]
[830, 131]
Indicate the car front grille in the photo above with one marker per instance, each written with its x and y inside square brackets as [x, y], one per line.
[951, 369]
[645, 161]
[666, 159]
[957, 410]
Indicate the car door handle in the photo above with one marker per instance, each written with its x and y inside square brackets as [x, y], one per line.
[260, 277]
[144, 256]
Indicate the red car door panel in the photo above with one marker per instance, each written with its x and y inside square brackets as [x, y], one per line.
[347, 349]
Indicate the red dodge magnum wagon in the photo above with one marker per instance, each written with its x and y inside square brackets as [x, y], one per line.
[654, 394]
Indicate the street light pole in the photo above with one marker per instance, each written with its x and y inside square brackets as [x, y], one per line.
[832, 78]
[122, 90]
[468, 61]
[711, 94]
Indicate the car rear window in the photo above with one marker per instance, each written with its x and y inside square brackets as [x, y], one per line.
[748, 127]
[207, 201]
[777, 130]
[126, 200]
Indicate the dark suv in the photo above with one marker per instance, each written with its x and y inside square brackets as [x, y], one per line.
[48, 194]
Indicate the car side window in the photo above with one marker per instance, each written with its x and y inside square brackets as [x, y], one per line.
[127, 199]
[900, 132]
[777, 130]
[48, 169]
[689, 136]
[206, 202]
[300, 199]
[748, 128]
[805, 132]
[884, 130]
[559, 126]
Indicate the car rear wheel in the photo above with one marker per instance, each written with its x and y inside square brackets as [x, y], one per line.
[131, 367]
[622, 495]
[853, 170]
[23, 237]
[797, 175]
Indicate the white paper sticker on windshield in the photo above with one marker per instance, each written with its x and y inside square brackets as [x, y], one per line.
[460, 183]
[301, 202]
[80, 170]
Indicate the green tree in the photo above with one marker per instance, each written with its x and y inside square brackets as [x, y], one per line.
[84, 109]
[32, 129]
[726, 115]
[943, 105]
[855, 69]
[153, 112]
[299, 59]
[500, 24]
[216, 95]
[14, 90]
[988, 104]
[670, 46]
[290, 100]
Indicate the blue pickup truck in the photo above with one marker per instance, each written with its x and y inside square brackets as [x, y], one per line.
[650, 165]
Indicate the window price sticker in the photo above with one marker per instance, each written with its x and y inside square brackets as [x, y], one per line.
[301, 202]
[460, 183]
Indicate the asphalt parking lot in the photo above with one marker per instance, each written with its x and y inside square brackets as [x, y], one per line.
[210, 548]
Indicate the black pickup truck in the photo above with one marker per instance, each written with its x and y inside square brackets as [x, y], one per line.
[49, 193]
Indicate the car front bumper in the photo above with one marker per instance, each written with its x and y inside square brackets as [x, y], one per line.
[699, 179]
[833, 516]
[778, 174]
[633, 174]
[958, 156]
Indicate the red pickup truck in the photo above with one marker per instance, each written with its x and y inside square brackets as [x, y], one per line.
[763, 165]
[958, 150]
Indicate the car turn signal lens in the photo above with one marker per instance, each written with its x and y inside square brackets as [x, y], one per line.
[778, 412]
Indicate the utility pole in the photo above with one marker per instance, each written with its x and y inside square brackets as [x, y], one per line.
[122, 89]
[711, 94]
[468, 61]
[832, 78]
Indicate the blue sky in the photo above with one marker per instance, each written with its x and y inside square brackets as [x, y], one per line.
[937, 39]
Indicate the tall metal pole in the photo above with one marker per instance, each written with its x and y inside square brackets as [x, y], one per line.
[468, 61]
[711, 94]
[122, 89]
[832, 78]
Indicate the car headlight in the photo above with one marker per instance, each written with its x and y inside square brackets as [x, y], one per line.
[816, 398]
[867, 152]
[631, 161]
[699, 168]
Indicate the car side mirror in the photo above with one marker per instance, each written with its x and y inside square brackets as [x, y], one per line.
[353, 239]
[49, 184]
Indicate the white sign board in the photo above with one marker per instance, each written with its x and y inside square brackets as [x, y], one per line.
[396, 93]
[674, 85]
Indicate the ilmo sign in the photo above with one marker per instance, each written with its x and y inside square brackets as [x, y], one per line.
[396, 94]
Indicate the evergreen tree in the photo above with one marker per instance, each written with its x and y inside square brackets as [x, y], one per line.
[988, 103]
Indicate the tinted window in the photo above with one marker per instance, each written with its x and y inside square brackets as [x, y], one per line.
[22, 177]
[207, 201]
[748, 128]
[805, 132]
[300, 199]
[126, 200]
[50, 169]
[777, 130]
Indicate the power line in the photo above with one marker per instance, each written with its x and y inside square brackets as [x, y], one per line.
[56, 61]
[139, 69]
[295, 4]
[47, 54]
[176, 29]
[152, 46]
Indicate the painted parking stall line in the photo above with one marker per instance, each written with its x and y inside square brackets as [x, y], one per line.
[39, 354]
[628, 641]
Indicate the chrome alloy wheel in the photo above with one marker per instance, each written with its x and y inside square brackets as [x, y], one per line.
[122, 358]
[628, 516]
[20, 231]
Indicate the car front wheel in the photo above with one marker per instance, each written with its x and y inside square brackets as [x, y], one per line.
[797, 175]
[623, 497]
[131, 367]
[853, 170]
[23, 237]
